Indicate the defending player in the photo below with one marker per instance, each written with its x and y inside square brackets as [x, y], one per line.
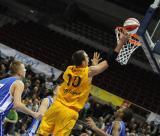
[117, 127]
[45, 104]
[10, 93]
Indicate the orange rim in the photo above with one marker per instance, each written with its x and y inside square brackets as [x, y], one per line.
[136, 43]
[135, 40]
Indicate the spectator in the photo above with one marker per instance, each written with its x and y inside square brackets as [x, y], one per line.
[85, 110]
[49, 84]
[2, 71]
[26, 91]
[22, 131]
[29, 104]
[35, 105]
[36, 90]
[101, 123]
[10, 121]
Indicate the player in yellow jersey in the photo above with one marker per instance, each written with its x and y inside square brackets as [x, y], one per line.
[73, 92]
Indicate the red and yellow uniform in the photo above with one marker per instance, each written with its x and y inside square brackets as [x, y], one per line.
[72, 95]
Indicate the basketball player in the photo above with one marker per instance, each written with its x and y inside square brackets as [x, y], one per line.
[10, 93]
[46, 103]
[73, 92]
[117, 127]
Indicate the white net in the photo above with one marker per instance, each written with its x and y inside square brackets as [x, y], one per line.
[125, 53]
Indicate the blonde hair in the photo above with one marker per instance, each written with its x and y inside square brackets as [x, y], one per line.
[14, 67]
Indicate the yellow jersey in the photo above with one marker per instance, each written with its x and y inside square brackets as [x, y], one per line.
[74, 91]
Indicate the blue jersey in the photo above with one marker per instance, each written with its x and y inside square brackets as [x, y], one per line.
[35, 123]
[122, 131]
[6, 99]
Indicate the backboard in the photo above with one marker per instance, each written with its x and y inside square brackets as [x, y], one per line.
[148, 33]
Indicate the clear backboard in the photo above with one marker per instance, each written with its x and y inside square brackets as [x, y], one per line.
[149, 33]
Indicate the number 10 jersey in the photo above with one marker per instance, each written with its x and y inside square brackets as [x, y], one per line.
[75, 88]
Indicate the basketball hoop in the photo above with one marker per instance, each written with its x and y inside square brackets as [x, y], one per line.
[131, 45]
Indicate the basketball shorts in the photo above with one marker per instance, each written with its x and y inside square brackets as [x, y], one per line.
[58, 120]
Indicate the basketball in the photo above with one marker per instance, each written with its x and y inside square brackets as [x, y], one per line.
[131, 25]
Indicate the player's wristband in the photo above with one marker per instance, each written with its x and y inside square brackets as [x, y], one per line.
[111, 57]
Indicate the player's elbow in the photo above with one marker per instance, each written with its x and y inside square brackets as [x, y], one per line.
[99, 70]
[17, 105]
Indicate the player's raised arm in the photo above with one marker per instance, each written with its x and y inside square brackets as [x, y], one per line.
[110, 58]
[116, 128]
[93, 126]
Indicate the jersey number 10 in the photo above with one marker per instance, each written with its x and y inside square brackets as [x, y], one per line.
[74, 80]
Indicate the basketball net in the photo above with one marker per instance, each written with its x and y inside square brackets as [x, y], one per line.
[131, 45]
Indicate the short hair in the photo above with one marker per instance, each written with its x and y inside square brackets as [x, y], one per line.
[78, 57]
[128, 114]
[14, 67]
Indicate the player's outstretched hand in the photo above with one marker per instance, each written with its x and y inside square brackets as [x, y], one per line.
[38, 115]
[96, 58]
